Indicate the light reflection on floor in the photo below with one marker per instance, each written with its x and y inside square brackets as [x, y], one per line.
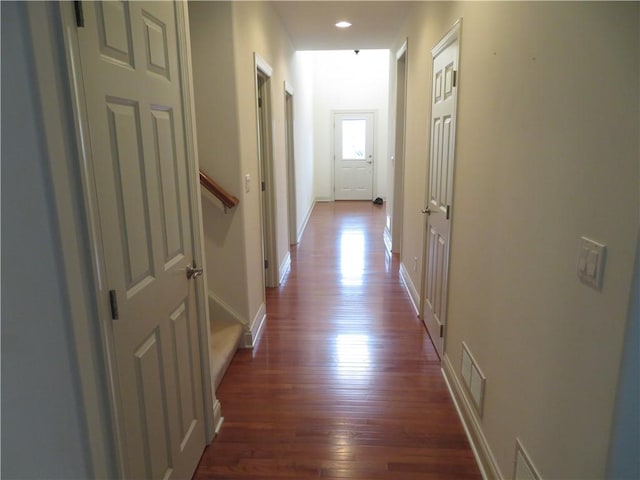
[353, 355]
[351, 257]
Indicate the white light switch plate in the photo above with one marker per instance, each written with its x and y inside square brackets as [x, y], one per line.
[591, 255]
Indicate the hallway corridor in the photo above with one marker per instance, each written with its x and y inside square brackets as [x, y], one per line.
[344, 382]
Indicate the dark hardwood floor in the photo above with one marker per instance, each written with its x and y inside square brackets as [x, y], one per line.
[344, 382]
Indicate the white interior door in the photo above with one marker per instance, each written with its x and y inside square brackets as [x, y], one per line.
[440, 187]
[353, 156]
[130, 71]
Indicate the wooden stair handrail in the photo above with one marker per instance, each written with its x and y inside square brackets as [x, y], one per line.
[228, 200]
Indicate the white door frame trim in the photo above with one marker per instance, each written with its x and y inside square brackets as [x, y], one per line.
[212, 408]
[374, 170]
[60, 90]
[402, 50]
[399, 150]
[292, 206]
[261, 67]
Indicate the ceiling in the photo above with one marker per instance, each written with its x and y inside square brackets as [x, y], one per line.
[311, 24]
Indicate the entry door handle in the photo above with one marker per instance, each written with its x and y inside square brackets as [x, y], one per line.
[193, 272]
[426, 210]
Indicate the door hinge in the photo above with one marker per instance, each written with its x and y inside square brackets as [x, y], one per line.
[266, 264]
[448, 212]
[79, 13]
[259, 102]
[113, 302]
[441, 331]
[262, 186]
[455, 78]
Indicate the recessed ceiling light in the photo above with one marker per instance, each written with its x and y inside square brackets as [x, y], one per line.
[343, 24]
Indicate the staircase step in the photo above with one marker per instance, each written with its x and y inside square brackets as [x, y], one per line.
[224, 341]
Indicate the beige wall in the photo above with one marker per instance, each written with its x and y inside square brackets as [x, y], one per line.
[257, 29]
[43, 403]
[217, 124]
[225, 36]
[547, 151]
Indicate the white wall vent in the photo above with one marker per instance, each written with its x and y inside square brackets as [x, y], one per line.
[473, 378]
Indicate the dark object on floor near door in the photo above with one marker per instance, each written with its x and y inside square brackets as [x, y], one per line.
[378, 201]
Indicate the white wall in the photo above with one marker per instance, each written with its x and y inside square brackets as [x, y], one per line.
[346, 81]
[43, 431]
[303, 139]
[547, 151]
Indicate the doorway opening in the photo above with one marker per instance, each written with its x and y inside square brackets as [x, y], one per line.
[291, 164]
[396, 209]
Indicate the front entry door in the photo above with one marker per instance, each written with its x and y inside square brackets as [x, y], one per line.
[440, 187]
[136, 142]
[353, 156]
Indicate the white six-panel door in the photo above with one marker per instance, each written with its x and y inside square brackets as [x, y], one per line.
[353, 156]
[440, 185]
[130, 71]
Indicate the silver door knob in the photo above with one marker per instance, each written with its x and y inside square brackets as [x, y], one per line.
[426, 210]
[193, 272]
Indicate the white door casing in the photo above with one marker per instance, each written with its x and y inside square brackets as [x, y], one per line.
[135, 142]
[264, 125]
[397, 178]
[440, 185]
[353, 156]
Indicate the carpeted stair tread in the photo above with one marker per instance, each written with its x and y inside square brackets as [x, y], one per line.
[224, 341]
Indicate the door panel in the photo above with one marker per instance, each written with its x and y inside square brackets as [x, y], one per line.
[153, 406]
[129, 63]
[353, 155]
[440, 187]
[164, 133]
[132, 207]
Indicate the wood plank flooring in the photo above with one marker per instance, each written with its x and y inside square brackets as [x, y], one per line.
[344, 382]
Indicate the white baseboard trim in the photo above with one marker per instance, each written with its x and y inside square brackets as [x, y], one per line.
[218, 308]
[305, 221]
[218, 419]
[285, 266]
[252, 335]
[482, 452]
[410, 288]
[386, 235]
[324, 199]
